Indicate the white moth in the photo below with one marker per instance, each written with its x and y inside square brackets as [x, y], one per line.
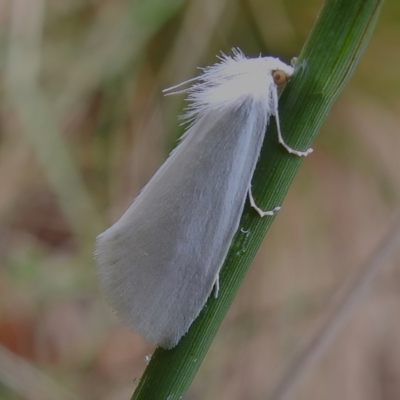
[159, 263]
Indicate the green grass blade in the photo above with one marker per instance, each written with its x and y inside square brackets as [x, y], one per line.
[328, 59]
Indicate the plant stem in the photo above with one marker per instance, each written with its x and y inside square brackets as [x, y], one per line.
[326, 62]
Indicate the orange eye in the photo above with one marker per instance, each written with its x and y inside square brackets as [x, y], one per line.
[279, 77]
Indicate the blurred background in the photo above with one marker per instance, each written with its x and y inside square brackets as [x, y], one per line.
[84, 126]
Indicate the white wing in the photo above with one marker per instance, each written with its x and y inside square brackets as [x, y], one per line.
[159, 262]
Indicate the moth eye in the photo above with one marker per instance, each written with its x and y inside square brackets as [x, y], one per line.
[279, 77]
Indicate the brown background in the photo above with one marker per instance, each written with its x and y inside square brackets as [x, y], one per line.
[84, 125]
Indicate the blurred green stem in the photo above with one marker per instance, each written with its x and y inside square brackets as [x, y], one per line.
[326, 62]
[26, 98]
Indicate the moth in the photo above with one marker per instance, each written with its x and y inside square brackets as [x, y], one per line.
[160, 261]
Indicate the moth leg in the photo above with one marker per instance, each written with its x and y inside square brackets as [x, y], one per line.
[258, 209]
[278, 126]
[216, 286]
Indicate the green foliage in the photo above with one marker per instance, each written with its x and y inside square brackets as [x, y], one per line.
[328, 59]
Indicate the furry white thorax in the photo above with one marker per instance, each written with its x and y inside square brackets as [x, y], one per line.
[229, 81]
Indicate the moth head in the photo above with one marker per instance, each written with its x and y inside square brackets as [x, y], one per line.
[280, 77]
